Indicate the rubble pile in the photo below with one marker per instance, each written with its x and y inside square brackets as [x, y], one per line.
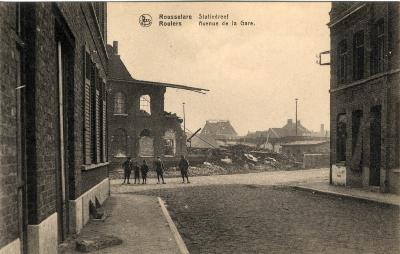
[226, 160]
[242, 158]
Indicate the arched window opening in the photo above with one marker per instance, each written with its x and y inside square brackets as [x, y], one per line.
[169, 143]
[119, 143]
[146, 147]
[145, 104]
[119, 103]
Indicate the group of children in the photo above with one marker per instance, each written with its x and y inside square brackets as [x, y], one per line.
[130, 166]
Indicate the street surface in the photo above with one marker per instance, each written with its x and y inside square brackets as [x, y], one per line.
[262, 178]
[259, 213]
[266, 219]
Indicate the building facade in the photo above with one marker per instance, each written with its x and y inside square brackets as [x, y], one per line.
[364, 95]
[53, 155]
[297, 149]
[139, 127]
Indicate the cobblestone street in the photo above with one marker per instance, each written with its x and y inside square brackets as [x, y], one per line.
[267, 219]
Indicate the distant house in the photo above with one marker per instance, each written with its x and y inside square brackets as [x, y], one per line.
[297, 149]
[278, 136]
[214, 134]
[289, 129]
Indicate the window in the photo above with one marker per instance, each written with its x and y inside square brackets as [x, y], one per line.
[169, 143]
[86, 109]
[119, 103]
[342, 62]
[341, 137]
[104, 122]
[378, 47]
[146, 148]
[358, 55]
[94, 131]
[94, 110]
[145, 104]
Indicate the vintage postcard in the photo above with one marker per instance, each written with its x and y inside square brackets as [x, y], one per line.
[199, 127]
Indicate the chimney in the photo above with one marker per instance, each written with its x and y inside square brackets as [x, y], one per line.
[322, 129]
[290, 121]
[298, 122]
[115, 47]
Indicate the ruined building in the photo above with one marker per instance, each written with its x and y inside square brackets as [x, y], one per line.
[364, 95]
[53, 142]
[139, 127]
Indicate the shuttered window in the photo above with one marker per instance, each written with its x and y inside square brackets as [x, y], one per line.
[95, 114]
[98, 118]
[87, 109]
[104, 123]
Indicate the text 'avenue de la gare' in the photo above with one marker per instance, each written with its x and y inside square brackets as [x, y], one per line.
[204, 20]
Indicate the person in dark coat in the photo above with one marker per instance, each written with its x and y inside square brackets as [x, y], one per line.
[127, 165]
[144, 170]
[158, 164]
[184, 167]
[136, 171]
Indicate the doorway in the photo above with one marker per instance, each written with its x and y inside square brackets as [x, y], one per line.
[21, 144]
[375, 146]
[65, 80]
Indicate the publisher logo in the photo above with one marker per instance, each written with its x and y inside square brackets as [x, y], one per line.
[145, 20]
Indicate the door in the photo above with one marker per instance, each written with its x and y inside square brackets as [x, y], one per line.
[62, 175]
[21, 165]
[375, 146]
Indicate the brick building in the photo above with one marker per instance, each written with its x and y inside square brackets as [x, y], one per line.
[364, 88]
[53, 155]
[297, 149]
[138, 125]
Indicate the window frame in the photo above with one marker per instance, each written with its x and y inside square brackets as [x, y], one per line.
[342, 63]
[145, 104]
[358, 55]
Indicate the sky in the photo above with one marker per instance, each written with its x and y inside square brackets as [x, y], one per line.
[254, 73]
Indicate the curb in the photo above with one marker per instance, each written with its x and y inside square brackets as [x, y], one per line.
[343, 195]
[179, 241]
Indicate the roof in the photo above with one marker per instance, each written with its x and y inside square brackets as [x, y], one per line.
[218, 129]
[306, 142]
[118, 72]
[289, 129]
[161, 84]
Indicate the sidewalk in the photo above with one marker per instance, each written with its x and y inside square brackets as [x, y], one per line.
[356, 193]
[138, 221]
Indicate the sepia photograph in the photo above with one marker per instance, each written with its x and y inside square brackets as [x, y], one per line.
[177, 127]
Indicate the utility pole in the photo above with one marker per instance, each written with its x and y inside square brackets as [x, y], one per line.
[184, 128]
[296, 116]
[184, 117]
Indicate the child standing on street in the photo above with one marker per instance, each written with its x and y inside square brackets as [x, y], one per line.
[184, 167]
[127, 165]
[159, 170]
[136, 170]
[144, 170]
